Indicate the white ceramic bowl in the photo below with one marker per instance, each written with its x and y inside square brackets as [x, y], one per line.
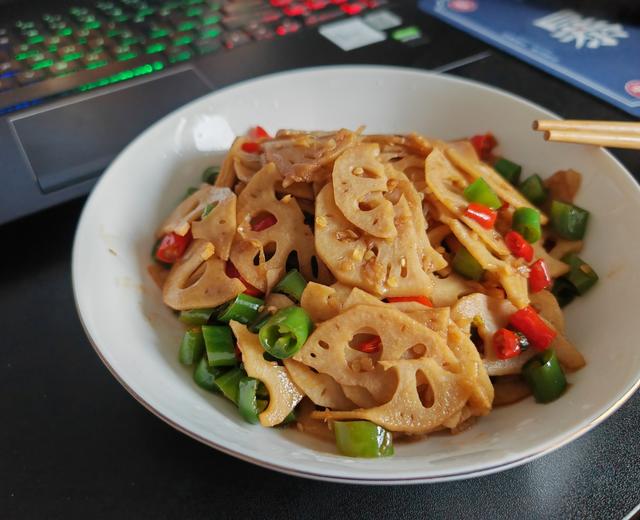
[136, 336]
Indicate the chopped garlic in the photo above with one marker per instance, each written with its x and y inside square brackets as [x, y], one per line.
[182, 229]
[208, 251]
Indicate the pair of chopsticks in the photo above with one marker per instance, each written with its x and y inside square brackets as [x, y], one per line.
[601, 133]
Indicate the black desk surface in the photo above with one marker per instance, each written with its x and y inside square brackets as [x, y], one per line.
[74, 444]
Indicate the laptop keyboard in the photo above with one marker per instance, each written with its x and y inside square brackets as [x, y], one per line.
[89, 47]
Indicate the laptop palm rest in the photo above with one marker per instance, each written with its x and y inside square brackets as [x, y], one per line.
[77, 141]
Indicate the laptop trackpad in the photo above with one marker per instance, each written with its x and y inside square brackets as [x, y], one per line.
[78, 141]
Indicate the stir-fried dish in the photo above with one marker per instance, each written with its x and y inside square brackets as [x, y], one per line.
[374, 287]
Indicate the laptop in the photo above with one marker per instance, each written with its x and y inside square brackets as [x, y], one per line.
[79, 81]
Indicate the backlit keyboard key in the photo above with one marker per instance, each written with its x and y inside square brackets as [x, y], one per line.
[178, 54]
[63, 67]
[207, 46]
[30, 76]
[9, 66]
[235, 39]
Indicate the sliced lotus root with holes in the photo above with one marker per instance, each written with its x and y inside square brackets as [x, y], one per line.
[513, 281]
[320, 388]
[473, 368]
[547, 306]
[447, 184]
[401, 145]
[302, 157]
[389, 268]
[555, 267]
[276, 301]
[289, 234]
[218, 227]
[323, 302]
[227, 176]
[399, 185]
[447, 291]
[406, 412]
[359, 185]
[284, 395]
[198, 280]
[359, 395]
[245, 170]
[488, 315]
[328, 351]
[191, 208]
[299, 190]
[475, 169]
[435, 319]
[413, 167]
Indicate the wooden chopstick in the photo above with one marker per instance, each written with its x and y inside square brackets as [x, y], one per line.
[614, 134]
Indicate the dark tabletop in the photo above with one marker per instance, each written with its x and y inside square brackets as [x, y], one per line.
[74, 444]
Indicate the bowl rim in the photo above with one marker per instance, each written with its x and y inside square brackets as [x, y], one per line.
[533, 454]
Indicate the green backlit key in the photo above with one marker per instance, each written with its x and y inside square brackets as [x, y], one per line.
[178, 54]
[63, 68]
[125, 52]
[183, 39]
[155, 47]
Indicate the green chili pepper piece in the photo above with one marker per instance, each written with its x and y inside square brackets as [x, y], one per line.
[362, 439]
[292, 285]
[243, 309]
[569, 221]
[291, 417]
[261, 391]
[229, 382]
[509, 170]
[196, 317]
[190, 191]
[191, 347]
[218, 340]
[466, 265]
[544, 375]
[479, 191]
[210, 174]
[285, 332]
[208, 209]
[526, 221]
[581, 275]
[248, 403]
[260, 320]
[534, 190]
[564, 291]
[205, 376]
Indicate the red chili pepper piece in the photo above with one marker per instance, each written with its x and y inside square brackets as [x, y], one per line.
[506, 344]
[371, 346]
[251, 147]
[257, 132]
[483, 215]
[231, 271]
[518, 245]
[539, 278]
[351, 9]
[172, 247]
[420, 299]
[484, 145]
[264, 222]
[295, 10]
[527, 321]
